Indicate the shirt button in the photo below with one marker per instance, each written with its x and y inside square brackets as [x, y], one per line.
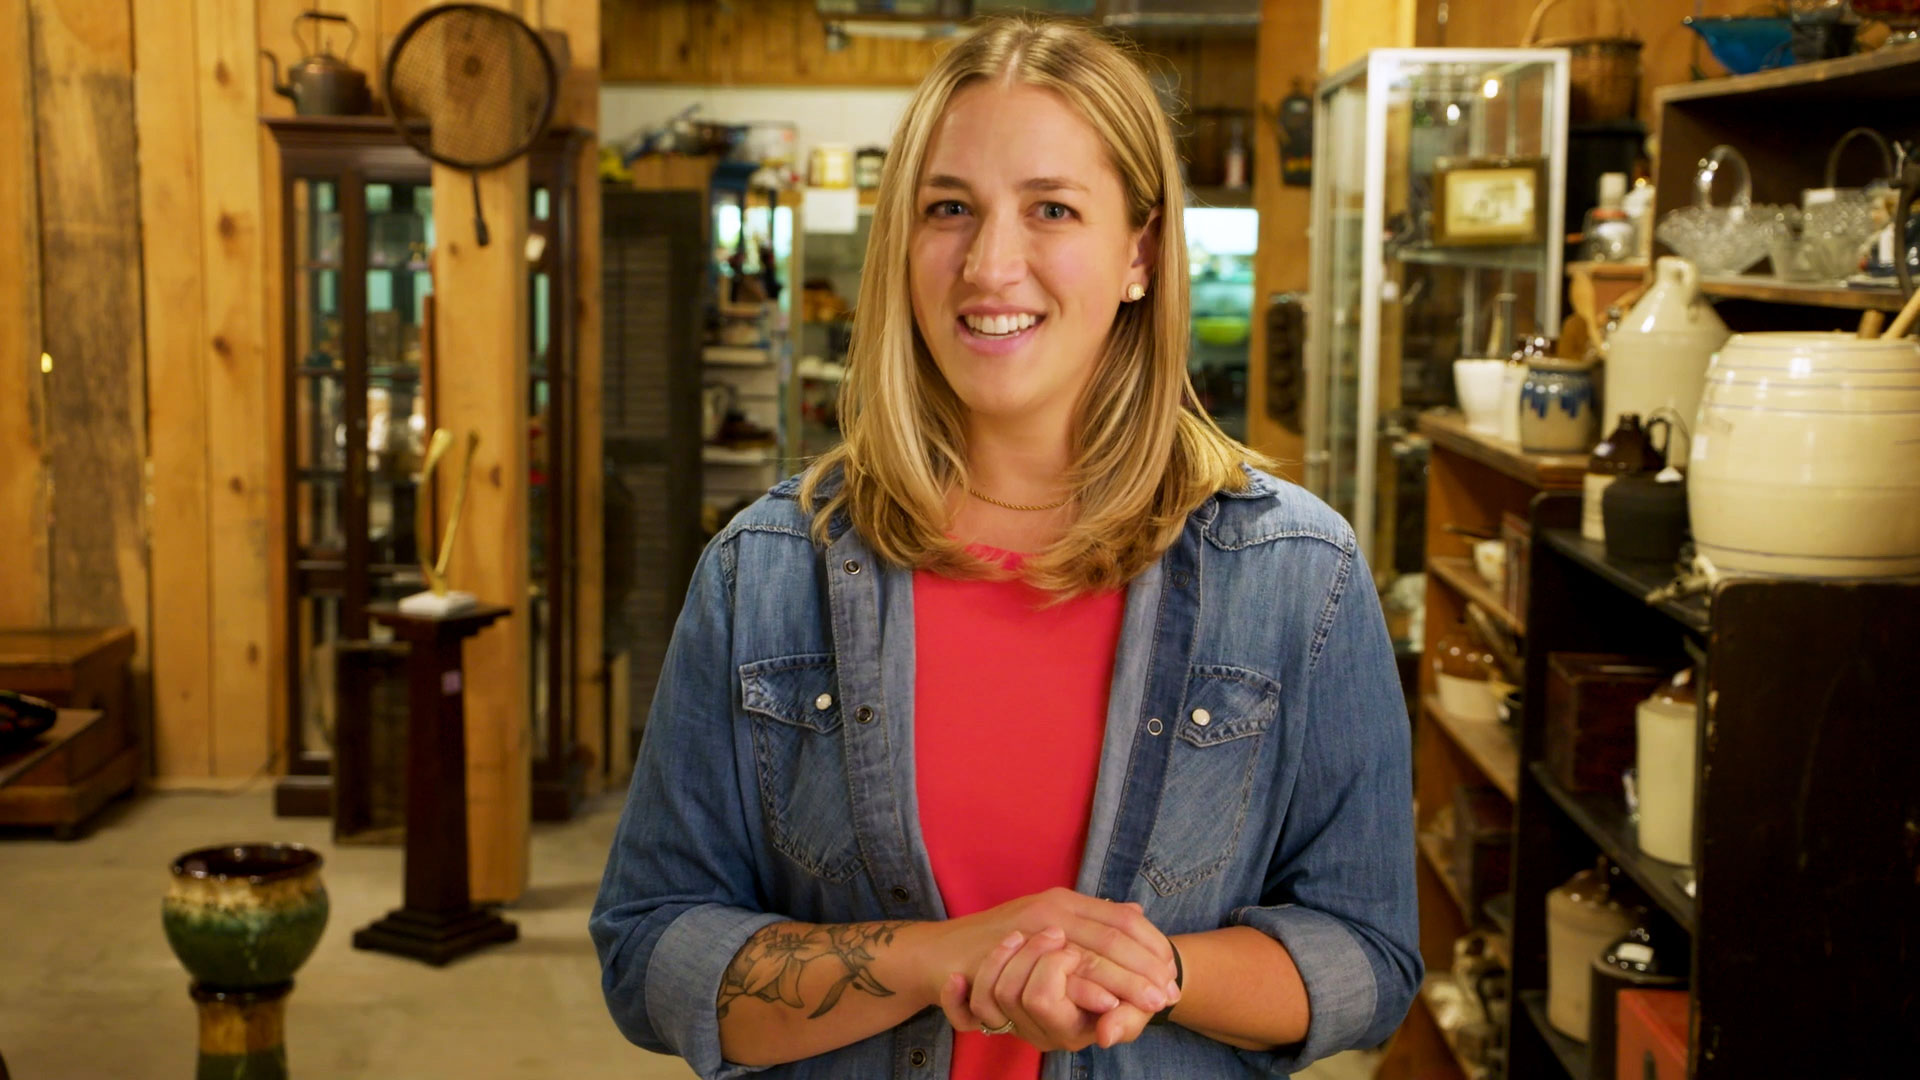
[901, 895]
[917, 1059]
[851, 566]
[823, 702]
[1202, 717]
[1154, 727]
[863, 715]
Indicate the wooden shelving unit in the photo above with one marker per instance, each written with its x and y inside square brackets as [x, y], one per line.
[1488, 745]
[1459, 573]
[1804, 877]
[1772, 290]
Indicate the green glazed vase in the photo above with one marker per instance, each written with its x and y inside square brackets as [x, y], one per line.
[242, 919]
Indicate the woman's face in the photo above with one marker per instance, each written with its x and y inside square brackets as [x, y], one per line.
[1020, 253]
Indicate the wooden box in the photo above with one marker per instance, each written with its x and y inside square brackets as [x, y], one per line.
[76, 669]
[1482, 843]
[1652, 1042]
[1591, 702]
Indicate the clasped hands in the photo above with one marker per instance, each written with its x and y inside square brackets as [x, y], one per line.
[1068, 971]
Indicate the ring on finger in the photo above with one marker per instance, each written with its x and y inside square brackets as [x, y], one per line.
[1003, 1029]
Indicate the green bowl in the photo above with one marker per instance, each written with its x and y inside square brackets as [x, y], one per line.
[1221, 330]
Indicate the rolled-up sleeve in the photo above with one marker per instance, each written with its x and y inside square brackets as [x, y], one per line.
[677, 899]
[1339, 893]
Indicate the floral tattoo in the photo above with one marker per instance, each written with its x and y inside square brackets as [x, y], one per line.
[769, 965]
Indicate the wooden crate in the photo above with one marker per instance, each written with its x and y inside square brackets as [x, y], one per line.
[95, 756]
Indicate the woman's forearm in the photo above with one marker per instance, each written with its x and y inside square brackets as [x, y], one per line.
[799, 989]
[1241, 988]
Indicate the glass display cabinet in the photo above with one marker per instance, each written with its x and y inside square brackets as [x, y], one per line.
[1221, 241]
[1439, 187]
[358, 228]
[828, 278]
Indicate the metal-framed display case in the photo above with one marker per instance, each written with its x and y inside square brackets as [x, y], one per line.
[1399, 292]
[358, 226]
[827, 285]
[744, 436]
[1221, 239]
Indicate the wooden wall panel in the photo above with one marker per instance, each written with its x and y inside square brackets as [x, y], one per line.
[1351, 28]
[167, 98]
[239, 452]
[746, 42]
[82, 62]
[25, 574]
[486, 286]
[1288, 49]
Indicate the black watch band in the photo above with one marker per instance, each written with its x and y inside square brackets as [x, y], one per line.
[1165, 1016]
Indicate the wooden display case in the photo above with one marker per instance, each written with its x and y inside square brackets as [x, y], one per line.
[359, 228]
[92, 753]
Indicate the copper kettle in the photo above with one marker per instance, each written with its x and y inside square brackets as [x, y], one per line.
[322, 84]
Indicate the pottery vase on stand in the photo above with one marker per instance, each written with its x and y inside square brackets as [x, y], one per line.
[1657, 357]
[242, 919]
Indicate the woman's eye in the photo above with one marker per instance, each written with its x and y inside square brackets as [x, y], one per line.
[946, 208]
[1054, 211]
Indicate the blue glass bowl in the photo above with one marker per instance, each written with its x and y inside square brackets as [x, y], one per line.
[1745, 44]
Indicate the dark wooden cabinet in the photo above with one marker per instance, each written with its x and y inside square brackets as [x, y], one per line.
[358, 228]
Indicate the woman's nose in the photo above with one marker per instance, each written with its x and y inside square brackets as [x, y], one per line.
[997, 257]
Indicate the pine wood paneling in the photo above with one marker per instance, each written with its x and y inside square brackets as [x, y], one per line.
[1353, 27]
[746, 42]
[481, 297]
[82, 62]
[166, 93]
[25, 576]
[238, 388]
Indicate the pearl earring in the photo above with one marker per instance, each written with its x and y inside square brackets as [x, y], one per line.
[1135, 291]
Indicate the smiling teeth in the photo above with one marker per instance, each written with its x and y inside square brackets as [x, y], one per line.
[999, 325]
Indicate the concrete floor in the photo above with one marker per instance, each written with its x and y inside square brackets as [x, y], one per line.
[90, 991]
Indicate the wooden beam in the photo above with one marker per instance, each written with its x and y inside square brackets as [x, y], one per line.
[25, 574]
[1287, 49]
[486, 287]
[166, 93]
[580, 103]
[239, 451]
[82, 62]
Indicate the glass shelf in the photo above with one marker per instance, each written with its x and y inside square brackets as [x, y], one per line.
[1527, 260]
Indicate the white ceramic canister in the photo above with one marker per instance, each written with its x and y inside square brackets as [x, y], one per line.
[1582, 920]
[1666, 733]
[1511, 380]
[1657, 357]
[1477, 385]
[1806, 457]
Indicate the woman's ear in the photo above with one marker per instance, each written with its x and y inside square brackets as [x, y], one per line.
[1146, 244]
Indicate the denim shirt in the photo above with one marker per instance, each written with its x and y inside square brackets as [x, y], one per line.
[1255, 772]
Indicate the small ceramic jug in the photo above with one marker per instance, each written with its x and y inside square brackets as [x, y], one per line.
[1657, 358]
[1556, 407]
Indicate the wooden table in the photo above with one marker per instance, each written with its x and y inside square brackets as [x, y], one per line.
[18, 763]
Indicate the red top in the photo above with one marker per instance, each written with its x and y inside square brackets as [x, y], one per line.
[1010, 707]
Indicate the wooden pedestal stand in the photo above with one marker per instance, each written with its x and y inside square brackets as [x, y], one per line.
[438, 921]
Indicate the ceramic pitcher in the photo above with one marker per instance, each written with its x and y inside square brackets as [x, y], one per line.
[1657, 358]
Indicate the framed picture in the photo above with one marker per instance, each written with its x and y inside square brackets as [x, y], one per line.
[1480, 202]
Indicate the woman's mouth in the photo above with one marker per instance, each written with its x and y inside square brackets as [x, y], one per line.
[999, 329]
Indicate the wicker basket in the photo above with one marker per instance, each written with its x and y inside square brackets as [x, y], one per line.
[1603, 73]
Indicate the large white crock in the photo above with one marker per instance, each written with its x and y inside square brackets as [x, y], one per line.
[1806, 457]
[1657, 357]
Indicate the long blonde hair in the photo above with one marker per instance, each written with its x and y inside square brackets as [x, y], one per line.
[1145, 454]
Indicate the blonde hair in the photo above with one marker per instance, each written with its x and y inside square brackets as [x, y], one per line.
[1145, 454]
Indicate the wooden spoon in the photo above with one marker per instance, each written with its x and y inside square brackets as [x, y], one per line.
[1904, 321]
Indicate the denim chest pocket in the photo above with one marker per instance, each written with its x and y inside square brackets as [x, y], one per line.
[794, 705]
[1210, 773]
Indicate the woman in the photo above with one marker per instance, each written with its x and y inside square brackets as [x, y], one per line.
[1033, 709]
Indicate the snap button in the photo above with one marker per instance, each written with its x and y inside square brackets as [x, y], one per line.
[901, 895]
[1202, 717]
[917, 1058]
[823, 702]
[1155, 727]
[851, 566]
[863, 714]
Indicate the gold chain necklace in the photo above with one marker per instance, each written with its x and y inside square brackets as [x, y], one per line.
[1018, 506]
